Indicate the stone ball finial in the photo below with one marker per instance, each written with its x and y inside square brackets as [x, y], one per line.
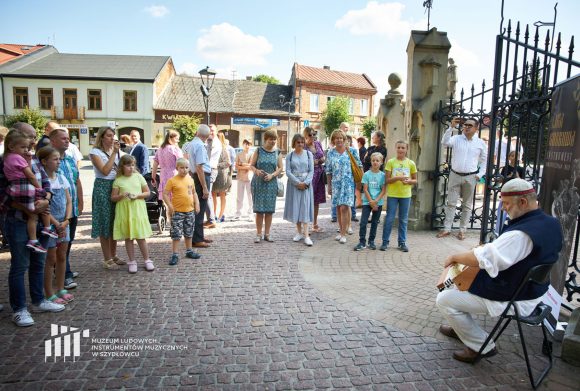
[394, 81]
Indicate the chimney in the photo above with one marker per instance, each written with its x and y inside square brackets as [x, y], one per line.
[326, 67]
[249, 78]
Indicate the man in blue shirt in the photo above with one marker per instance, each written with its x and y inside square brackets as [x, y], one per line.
[200, 172]
[140, 153]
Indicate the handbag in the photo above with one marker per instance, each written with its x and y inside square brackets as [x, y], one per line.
[280, 188]
[357, 172]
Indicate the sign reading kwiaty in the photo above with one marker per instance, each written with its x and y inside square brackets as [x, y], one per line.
[260, 122]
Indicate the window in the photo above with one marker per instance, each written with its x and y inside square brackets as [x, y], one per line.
[314, 102]
[364, 107]
[45, 98]
[330, 99]
[20, 97]
[129, 100]
[350, 105]
[94, 99]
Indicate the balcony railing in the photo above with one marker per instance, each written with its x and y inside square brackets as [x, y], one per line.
[67, 113]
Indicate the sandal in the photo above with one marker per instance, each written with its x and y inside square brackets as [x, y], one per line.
[443, 234]
[110, 264]
[132, 266]
[461, 235]
[267, 238]
[63, 294]
[317, 229]
[57, 300]
[149, 266]
[119, 261]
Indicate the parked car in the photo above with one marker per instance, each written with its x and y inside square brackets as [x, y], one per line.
[152, 152]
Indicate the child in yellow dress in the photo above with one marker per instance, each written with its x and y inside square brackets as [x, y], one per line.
[131, 223]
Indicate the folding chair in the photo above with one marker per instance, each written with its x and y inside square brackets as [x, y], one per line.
[539, 274]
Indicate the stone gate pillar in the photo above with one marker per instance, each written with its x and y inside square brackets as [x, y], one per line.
[427, 54]
[391, 115]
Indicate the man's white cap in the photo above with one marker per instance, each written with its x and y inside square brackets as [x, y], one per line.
[517, 187]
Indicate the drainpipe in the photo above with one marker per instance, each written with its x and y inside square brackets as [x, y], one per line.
[3, 100]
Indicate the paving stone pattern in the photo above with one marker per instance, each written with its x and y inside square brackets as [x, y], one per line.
[268, 316]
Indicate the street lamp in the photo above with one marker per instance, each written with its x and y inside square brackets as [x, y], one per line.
[206, 86]
[290, 103]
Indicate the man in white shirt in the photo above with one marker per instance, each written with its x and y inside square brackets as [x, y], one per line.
[468, 165]
[214, 151]
[531, 238]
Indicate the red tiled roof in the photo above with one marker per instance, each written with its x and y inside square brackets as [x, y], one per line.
[335, 78]
[10, 51]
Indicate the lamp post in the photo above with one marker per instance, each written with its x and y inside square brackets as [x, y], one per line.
[289, 103]
[206, 86]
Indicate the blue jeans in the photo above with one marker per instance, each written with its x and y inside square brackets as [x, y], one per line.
[366, 212]
[73, 229]
[22, 260]
[403, 204]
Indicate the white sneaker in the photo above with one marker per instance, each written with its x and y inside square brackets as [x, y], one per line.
[308, 241]
[47, 306]
[22, 318]
[350, 231]
[257, 239]
[298, 238]
[342, 240]
[338, 237]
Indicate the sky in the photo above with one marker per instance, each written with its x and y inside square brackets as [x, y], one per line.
[246, 38]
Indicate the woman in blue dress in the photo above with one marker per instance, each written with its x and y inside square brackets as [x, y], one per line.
[267, 165]
[340, 180]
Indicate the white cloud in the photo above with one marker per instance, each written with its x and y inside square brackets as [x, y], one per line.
[379, 19]
[189, 68]
[228, 44]
[157, 11]
[462, 56]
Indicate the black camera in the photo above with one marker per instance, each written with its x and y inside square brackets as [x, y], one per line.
[123, 145]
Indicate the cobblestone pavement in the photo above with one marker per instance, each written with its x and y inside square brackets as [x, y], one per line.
[273, 316]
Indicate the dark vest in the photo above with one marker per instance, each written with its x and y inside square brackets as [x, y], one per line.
[546, 235]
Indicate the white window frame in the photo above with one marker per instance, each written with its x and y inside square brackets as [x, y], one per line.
[314, 102]
[364, 107]
[351, 106]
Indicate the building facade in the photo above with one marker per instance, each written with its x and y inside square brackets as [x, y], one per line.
[84, 92]
[314, 87]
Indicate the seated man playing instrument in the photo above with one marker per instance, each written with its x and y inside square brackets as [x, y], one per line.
[531, 238]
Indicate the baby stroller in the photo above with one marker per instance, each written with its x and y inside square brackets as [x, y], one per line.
[156, 210]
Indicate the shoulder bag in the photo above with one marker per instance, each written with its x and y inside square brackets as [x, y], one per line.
[357, 172]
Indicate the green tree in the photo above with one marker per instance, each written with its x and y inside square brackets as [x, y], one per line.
[33, 117]
[266, 79]
[369, 126]
[335, 113]
[186, 126]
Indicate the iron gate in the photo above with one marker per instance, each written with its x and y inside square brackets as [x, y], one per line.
[514, 115]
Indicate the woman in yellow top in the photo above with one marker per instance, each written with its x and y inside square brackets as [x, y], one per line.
[401, 176]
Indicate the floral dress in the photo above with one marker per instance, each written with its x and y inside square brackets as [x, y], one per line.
[264, 193]
[166, 158]
[338, 165]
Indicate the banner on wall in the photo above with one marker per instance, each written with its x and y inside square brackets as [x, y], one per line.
[559, 196]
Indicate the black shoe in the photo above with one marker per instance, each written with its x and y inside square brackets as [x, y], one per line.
[372, 246]
[174, 260]
[360, 246]
[192, 254]
[69, 283]
[403, 247]
[333, 220]
[384, 247]
[354, 219]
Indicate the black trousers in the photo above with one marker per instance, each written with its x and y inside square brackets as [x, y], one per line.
[198, 226]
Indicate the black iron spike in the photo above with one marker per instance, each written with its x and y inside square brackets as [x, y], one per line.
[527, 34]
[571, 47]
[571, 53]
[537, 37]
[559, 43]
[547, 44]
[518, 31]
[557, 62]
[509, 28]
